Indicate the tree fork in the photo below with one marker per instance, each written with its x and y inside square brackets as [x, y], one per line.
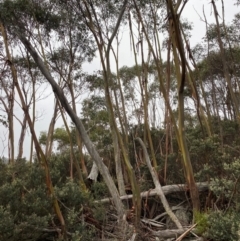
[64, 102]
[39, 151]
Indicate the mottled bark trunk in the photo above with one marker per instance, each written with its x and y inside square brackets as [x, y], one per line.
[89, 145]
[119, 172]
[40, 154]
[49, 142]
[22, 137]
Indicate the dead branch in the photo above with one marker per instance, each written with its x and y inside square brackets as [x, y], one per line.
[158, 186]
[202, 186]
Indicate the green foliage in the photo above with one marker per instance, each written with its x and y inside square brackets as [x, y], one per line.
[99, 190]
[13, 11]
[26, 209]
[202, 222]
[96, 120]
[228, 186]
[223, 226]
[24, 204]
[43, 138]
[6, 223]
[61, 138]
[218, 226]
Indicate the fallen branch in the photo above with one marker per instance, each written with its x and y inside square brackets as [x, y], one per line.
[186, 232]
[153, 222]
[173, 233]
[202, 186]
[158, 186]
[169, 233]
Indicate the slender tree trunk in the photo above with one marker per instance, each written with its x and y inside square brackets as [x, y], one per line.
[33, 106]
[178, 48]
[49, 142]
[73, 159]
[107, 80]
[167, 118]
[225, 67]
[159, 187]
[117, 156]
[79, 141]
[21, 139]
[119, 172]
[10, 100]
[39, 151]
[89, 145]
[125, 121]
[180, 128]
[11, 123]
[71, 90]
[144, 93]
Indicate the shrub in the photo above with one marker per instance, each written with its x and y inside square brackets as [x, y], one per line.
[223, 226]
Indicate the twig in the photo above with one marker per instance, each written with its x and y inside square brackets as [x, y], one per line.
[133, 237]
[153, 222]
[186, 232]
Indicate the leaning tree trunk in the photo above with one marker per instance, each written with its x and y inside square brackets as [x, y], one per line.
[179, 129]
[79, 125]
[178, 49]
[39, 151]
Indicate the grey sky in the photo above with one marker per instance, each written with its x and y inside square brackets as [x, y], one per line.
[45, 107]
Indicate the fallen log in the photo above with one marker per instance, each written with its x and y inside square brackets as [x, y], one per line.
[169, 233]
[202, 186]
[174, 233]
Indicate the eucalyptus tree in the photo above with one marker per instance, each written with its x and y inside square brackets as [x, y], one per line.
[103, 20]
[19, 11]
[74, 47]
[56, 34]
[210, 72]
[39, 152]
[7, 97]
[224, 62]
[33, 88]
[172, 14]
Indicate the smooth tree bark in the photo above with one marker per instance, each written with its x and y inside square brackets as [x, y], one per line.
[180, 63]
[158, 186]
[131, 175]
[73, 159]
[104, 51]
[175, 188]
[40, 154]
[79, 125]
[225, 67]
[49, 141]
[10, 93]
[177, 45]
[22, 137]
[70, 85]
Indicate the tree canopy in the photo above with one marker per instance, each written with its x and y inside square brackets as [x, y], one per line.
[144, 152]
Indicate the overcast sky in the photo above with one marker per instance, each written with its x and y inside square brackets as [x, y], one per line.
[193, 12]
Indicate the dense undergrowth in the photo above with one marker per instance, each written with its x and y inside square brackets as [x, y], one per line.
[26, 211]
